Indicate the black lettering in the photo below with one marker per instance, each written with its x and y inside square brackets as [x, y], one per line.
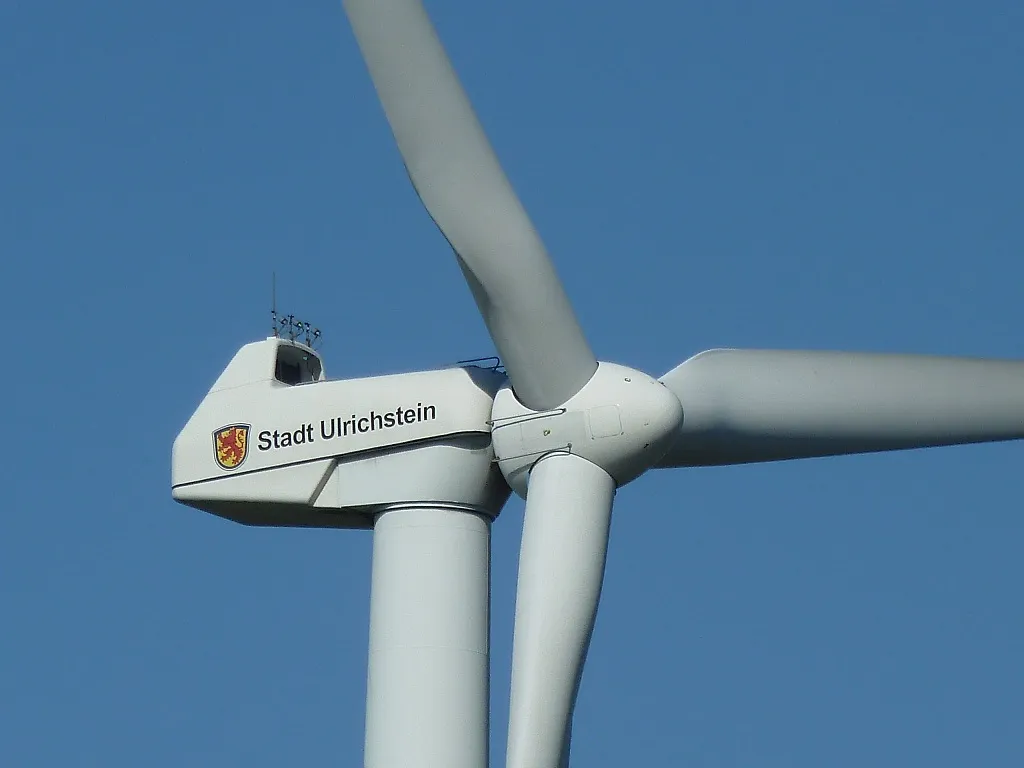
[264, 440]
[277, 439]
[336, 426]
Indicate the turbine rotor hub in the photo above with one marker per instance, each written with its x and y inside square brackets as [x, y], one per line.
[622, 420]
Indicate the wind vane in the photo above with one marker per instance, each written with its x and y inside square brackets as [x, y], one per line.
[289, 326]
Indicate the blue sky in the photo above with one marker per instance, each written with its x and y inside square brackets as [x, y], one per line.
[704, 174]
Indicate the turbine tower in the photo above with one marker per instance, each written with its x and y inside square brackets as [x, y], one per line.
[426, 460]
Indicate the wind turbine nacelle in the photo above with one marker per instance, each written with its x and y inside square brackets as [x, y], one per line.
[276, 443]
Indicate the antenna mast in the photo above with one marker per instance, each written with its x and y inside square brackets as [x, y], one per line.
[273, 303]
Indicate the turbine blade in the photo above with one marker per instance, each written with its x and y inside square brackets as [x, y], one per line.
[457, 176]
[743, 405]
[561, 566]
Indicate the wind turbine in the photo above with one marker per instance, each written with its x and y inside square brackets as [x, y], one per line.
[428, 459]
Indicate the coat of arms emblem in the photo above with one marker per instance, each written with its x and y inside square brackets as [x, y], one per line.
[231, 445]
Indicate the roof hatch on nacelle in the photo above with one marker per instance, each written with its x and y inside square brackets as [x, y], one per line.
[274, 361]
[296, 364]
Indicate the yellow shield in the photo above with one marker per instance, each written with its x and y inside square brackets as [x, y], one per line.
[231, 445]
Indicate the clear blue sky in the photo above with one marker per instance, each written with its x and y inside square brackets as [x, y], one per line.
[704, 174]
